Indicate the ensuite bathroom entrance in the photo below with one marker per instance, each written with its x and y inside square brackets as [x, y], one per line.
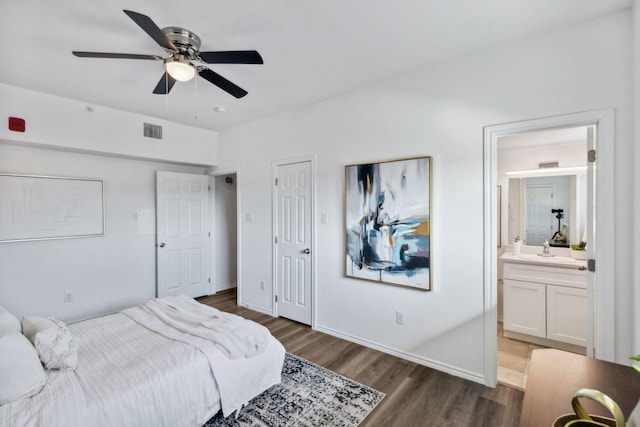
[546, 220]
[541, 280]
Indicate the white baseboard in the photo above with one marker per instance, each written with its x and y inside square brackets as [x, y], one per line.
[259, 309]
[227, 286]
[467, 375]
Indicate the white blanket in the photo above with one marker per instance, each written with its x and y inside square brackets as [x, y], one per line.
[235, 336]
[211, 331]
[128, 375]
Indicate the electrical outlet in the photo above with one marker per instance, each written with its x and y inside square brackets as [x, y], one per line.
[400, 317]
[68, 297]
[262, 285]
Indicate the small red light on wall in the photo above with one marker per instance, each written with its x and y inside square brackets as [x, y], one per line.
[16, 124]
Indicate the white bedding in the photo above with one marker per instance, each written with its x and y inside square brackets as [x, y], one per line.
[130, 376]
[233, 335]
[239, 379]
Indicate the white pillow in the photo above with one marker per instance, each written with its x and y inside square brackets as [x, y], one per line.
[8, 321]
[20, 369]
[57, 347]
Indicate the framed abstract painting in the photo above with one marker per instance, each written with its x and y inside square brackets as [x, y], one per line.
[388, 222]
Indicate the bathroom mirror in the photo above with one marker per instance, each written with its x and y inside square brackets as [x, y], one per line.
[551, 208]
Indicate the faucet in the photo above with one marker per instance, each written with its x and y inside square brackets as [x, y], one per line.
[545, 249]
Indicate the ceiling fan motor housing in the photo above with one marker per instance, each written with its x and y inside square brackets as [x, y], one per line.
[187, 42]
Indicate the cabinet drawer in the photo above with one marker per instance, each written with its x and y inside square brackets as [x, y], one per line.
[571, 277]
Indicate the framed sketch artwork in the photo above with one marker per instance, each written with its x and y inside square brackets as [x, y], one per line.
[388, 222]
[34, 207]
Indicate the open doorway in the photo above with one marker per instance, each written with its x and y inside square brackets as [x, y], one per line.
[600, 300]
[542, 297]
[225, 231]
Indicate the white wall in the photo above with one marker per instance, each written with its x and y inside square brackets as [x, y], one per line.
[439, 111]
[64, 138]
[56, 122]
[103, 273]
[225, 238]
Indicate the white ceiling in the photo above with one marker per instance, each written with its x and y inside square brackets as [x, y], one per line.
[313, 50]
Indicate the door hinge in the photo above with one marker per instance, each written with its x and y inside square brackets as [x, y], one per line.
[209, 234]
[276, 181]
[276, 298]
[209, 279]
[276, 239]
[591, 265]
[209, 187]
[591, 156]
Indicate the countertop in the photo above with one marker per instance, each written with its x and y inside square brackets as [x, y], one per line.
[555, 261]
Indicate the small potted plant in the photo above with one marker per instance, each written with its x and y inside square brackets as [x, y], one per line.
[579, 251]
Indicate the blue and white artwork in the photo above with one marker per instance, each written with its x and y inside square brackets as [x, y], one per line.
[388, 214]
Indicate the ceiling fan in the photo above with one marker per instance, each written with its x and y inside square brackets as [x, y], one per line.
[184, 58]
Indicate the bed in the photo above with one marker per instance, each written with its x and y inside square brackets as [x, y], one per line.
[135, 369]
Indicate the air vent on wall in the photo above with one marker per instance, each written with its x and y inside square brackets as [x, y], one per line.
[547, 165]
[152, 131]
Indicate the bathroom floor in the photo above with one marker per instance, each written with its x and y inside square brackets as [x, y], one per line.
[513, 360]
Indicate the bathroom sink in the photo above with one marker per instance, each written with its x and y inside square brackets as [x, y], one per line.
[548, 259]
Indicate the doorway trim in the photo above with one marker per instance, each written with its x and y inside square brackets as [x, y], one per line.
[229, 171]
[603, 311]
[311, 158]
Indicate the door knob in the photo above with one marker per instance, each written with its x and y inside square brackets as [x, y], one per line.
[306, 251]
[162, 245]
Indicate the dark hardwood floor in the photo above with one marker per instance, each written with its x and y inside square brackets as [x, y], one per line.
[415, 395]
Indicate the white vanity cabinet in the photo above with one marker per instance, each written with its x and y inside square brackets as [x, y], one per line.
[525, 308]
[567, 315]
[545, 302]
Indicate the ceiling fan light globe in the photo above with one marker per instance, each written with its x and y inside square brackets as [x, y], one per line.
[181, 71]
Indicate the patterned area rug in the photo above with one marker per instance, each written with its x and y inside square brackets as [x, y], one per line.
[309, 395]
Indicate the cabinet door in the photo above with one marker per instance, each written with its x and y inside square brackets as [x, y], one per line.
[524, 307]
[567, 314]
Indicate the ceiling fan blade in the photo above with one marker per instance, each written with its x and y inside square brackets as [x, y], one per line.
[114, 55]
[221, 82]
[164, 85]
[151, 28]
[232, 57]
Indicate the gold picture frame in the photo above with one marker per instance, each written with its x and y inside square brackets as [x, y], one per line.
[388, 222]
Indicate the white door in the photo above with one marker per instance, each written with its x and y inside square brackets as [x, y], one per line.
[182, 234]
[293, 241]
[539, 220]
